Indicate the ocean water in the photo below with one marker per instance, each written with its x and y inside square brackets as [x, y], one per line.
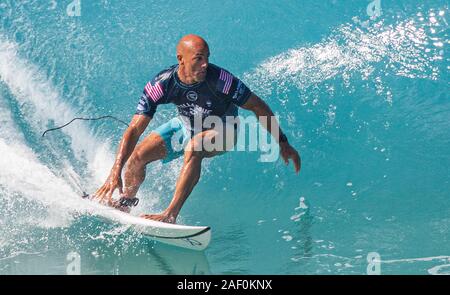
[362, 93]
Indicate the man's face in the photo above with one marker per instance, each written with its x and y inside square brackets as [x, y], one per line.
[196, 62]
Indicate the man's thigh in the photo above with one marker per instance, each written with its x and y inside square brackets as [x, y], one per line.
[152, 148]
[212, 143]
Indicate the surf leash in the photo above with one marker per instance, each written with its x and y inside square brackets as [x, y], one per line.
[84, 119]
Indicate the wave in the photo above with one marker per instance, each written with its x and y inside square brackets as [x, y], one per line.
[43, 107]
[411, 48]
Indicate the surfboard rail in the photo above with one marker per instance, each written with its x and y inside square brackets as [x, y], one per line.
[185, 236]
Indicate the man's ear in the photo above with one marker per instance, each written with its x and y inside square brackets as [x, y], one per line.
[180, 59]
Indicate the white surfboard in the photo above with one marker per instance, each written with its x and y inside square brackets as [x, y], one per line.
[185, 236]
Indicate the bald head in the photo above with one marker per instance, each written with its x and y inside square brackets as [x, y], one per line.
[192, 55]
[191, 43]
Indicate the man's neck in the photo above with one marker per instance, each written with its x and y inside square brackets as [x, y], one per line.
[183, 78]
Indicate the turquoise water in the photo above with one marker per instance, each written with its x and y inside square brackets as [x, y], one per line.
[363, 98]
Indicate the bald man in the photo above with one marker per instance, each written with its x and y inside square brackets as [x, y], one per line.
[199, 90]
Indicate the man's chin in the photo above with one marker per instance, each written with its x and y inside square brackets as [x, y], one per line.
[200, 78]
[201, 75]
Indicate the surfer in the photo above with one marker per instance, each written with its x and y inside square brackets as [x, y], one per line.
[199, 89]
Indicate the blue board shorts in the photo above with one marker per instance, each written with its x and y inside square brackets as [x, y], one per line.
[176, 137]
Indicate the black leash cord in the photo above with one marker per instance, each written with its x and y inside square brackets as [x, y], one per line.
[85, 119]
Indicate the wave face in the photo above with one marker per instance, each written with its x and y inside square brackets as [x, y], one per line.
[363, 98]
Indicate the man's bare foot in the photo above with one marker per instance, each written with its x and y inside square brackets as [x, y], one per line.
[163, 217]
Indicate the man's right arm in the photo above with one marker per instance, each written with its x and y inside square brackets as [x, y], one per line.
[126, 147]
[129, 140]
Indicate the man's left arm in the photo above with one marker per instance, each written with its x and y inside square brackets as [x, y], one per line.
[269, 122]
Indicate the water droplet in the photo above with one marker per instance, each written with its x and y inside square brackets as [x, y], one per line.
[296, 217]
[287, 238]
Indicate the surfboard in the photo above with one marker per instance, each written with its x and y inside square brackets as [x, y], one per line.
[185, 236]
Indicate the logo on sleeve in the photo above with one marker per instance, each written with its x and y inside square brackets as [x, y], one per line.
[239, 90]
[142, 106]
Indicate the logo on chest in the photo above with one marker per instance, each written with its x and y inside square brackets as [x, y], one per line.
[191, 95]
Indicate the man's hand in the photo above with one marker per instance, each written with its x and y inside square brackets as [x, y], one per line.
[288, 152]
[126, 147]
[104, 194]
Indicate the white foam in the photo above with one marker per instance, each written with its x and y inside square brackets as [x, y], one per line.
[350, 49]
[42, 103]
[22, 173]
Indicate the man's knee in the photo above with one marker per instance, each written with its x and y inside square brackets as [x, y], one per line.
[193, 155]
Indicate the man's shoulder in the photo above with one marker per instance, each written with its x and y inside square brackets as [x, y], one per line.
[216, 70]
[221, 78]
[165, 75]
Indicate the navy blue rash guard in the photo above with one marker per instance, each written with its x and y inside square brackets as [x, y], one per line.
[219, 94]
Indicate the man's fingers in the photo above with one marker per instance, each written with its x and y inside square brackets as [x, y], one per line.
[99, 191]
[97, 194]
[110, 193]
